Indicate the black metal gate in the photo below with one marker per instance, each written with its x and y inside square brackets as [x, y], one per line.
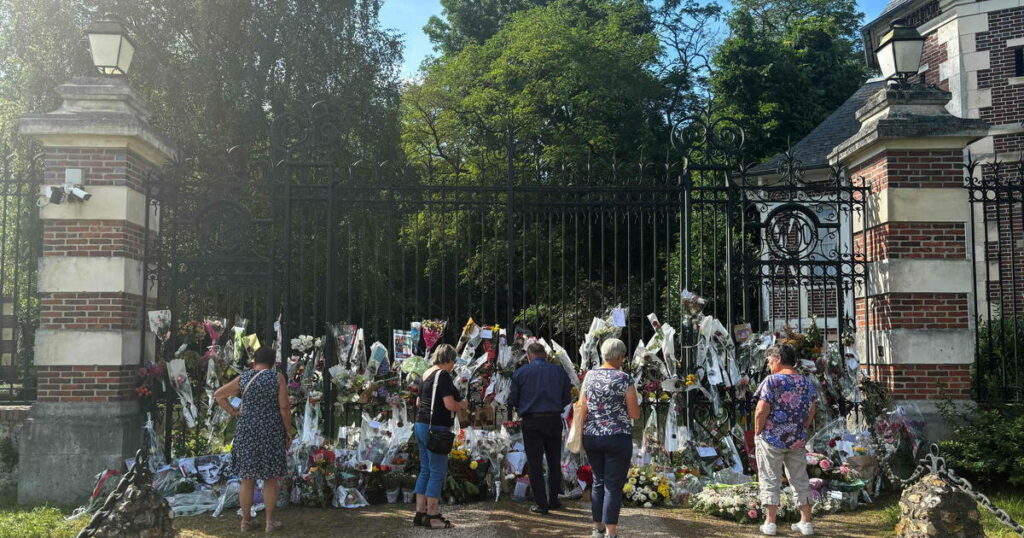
[319, 236]
[996, 191]
[20, 248]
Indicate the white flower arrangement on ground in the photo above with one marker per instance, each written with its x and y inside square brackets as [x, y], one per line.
[742, 503]
[646, 487]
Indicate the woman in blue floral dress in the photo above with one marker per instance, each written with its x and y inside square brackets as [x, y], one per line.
[611, 407]
[264, 430]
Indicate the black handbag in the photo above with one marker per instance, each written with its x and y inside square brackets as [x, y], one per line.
[438, 442]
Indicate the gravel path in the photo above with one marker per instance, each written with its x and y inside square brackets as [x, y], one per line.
[508, 519]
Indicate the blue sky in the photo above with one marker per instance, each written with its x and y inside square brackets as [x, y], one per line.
[409, 16]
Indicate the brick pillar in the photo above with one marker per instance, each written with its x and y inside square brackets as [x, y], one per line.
[916, 312]
[88, 344]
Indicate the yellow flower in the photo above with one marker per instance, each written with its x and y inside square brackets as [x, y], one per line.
[628, 488]
[473, 465]
[663, 490]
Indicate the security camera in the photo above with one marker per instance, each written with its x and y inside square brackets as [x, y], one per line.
[55, 194]
[77, 194]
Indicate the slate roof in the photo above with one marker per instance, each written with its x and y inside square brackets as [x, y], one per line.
[812, 151]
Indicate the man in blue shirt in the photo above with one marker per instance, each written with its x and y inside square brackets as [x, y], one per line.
[540, 392]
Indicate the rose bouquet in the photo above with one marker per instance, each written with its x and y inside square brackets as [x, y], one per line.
[316, 484]
[432, 329]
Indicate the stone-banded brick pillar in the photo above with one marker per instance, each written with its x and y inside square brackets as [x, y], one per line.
[916, 312]
[87, 348]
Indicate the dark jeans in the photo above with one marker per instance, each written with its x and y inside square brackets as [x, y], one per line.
[542, 437]
[609, 457]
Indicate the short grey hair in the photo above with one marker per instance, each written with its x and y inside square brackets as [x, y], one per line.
[613, 348]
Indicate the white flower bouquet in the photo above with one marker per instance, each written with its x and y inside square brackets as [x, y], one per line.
[646, 487]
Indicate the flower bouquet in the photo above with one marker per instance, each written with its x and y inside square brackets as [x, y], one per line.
[344, 336]
[468, 341]
[316, 486]
[600, 330]
[645, 487]
[177, 372]
[432, 329]
[692, 304]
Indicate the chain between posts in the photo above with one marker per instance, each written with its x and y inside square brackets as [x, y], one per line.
[933, 463]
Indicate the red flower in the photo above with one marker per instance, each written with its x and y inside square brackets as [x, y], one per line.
[585, 474]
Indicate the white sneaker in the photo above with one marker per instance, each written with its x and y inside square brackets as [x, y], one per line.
[768, 529]
[804, 527]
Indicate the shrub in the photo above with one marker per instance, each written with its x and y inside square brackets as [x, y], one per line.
[999, 357]
[985, 447]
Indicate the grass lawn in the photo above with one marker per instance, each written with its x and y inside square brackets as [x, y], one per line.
[504, 518]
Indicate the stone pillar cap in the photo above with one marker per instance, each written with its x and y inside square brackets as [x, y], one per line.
[906, 114]
[100, 112]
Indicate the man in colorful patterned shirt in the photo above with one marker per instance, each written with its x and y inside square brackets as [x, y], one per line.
[785, 410]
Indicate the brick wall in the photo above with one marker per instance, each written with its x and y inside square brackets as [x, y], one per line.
[909, 240]
[934, 54]
[93, 238]
[86, 383]
[102, 166]
[916, 311]
[926, 381]
[89, 311]
[1007, 101]
[912, 169]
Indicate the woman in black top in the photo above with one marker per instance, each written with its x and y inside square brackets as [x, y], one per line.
[433, 467]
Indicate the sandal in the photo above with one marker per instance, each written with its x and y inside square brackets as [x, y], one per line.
[247, 526]
[420, 519]
[447, 524]
[274, 526]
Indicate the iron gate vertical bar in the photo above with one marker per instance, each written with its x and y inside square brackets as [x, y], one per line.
[331, 307]
[509, 251]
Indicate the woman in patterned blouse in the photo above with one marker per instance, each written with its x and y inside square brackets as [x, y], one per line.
[611, 407]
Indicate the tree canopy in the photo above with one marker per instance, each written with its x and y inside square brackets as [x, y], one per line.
[215, 71]
[785, 67]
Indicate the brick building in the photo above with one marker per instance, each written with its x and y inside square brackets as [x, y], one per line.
[941, 257]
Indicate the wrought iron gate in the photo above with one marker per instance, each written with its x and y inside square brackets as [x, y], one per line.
[320, 236]
[996, 191]
[20, 248]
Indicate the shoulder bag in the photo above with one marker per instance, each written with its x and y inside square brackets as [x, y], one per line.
[574, 442]
[246, 387]
[438, 442]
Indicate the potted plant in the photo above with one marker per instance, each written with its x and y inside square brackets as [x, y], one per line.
[392, 481]
[408, 488]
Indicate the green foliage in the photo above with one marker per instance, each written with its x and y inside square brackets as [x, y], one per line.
[563, 80]
[985, 447]
[190, 442]
[999, 364]
[40, 522]
[471, 22]
[786, 67]
[212, 71]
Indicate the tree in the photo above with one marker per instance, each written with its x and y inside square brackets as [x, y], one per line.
[471, 22]
[558, 78]
[214, 72]
[785, 67]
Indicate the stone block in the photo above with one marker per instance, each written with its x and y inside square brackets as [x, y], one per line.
[64, 445]
[934, 508]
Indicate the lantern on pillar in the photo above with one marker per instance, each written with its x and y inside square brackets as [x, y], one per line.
[111, 48]
[899, 51]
